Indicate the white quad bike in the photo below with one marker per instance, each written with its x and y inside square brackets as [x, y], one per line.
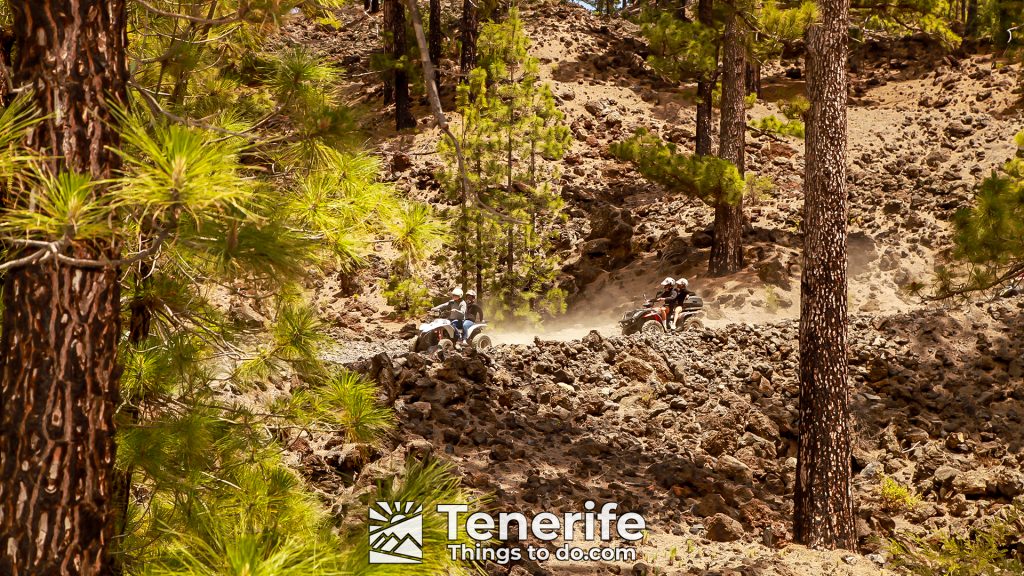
[440, 332]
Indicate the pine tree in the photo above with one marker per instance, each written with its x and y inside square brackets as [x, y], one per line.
[989, 235]
[61, 318]
[436, 34]
[680, 49]
[705, 82]
[823, 511]
[509, 128]
[727, 247]
[1002, 16]
[932, 17]
[246, 183]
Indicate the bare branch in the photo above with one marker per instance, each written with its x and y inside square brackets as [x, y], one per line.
[40, 255]
[1014, 271]
[52, 250]
[155, 106]
[469, 197]
[196, 19]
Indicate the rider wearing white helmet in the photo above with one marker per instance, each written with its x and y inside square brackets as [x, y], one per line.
[667, 294]
[682, 291]
[456, 307]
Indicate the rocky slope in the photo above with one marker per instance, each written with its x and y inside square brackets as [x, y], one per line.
[923, 130]
[698, 431]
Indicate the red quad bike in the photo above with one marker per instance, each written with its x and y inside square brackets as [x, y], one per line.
[650, 319]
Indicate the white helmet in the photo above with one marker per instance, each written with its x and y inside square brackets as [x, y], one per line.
[683, 282]
[668, 282]
[471, 293]
[457, 292]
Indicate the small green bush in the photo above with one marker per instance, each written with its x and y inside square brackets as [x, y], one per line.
[794, 128]
[897, 497]
[988, 551]
[795, 108]
[408, 297]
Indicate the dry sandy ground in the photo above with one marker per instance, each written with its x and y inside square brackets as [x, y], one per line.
[897, 235]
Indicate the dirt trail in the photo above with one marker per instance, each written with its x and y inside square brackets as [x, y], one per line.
[697, 431]
[690, 426]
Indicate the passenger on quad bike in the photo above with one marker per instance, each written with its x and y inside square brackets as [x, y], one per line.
[455, 323]
[474, 314]
[651, 317]
[682, 292]
[456, 309]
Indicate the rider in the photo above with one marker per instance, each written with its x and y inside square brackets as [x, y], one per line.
[682, 291]
[456, 309]
[474, 314]
[667, 294]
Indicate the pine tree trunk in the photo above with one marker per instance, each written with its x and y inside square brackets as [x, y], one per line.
[389, 47]
[478, 256]
[195, 31]
[823, 513]
[61, 324]
[972, 19]
[395, 46]
[435, 39]
[470, 32]
[754, 78]
[727, 248]
[394, 26]
[705, 88]
[680, 11]
[6, 49]
[510, 263]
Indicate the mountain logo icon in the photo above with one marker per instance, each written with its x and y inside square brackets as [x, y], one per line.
[396, 533]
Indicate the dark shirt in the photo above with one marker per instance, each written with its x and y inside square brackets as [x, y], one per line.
[681, 296]
[474, 313]
[669, 295]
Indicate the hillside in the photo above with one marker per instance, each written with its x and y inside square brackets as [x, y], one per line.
[915, 159]
[637, 288]
[698, 431]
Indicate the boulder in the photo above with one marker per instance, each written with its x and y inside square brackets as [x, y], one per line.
[722, 528]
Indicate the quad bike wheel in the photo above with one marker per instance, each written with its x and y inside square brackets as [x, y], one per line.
[446, 345]
[482, 342]
[692, 324]
[651, 327]
[424, 342]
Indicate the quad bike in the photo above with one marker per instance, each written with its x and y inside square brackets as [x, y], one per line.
[441, 333]
[650, 318]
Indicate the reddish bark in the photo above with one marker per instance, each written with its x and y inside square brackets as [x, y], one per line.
[727, 248]
[823, 512]
[61, 323]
